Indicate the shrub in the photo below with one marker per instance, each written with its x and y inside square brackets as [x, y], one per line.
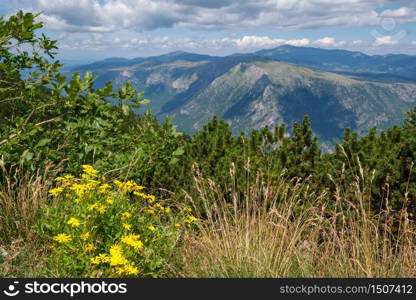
[100, 229]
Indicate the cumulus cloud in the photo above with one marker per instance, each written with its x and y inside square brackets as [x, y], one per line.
[225, 45]
[298, 43]
[112, 15]
[385, 41]
[329, 42]
[400, 12]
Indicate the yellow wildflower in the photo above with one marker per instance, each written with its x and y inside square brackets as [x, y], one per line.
[177, 225]
[127, 226]
[151, 198]
[109, 201]
[74, 222]
[104, 188]
[101, 258]
[130, 270]
[89, 172]
[152, 228]
[116, 256]
[132, 240]
[62, 238]
[95, 260]
[101, 208]
[85, 236]
[190, 219]
[128, 186]
[167, 209]
[127, 270]
[126, 215]
[89, 247]
[97, 206]
[104, 258]
[92, 206]
[56, 191]
[159, 206]
[118, 182]
[150, 211]
[92, 184]
[80, 189]
[65, 179]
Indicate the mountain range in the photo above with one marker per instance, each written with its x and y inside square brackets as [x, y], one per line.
[336, 88]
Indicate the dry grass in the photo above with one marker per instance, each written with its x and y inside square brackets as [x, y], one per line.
[294, 232]
[274, 229]
[22, 198]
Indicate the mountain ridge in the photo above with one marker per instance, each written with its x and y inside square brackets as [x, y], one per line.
[251, 91]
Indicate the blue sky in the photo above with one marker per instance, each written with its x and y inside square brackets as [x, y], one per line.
[95, 29]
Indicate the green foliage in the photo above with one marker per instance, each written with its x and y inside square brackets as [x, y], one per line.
[99, 229]
[391, 155]
[45, 117]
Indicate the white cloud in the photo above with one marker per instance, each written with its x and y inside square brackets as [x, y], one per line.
[113, 15]
[385, 41]
[257, 42]
[328, 42]
[134, 46]
[248, 43]
[400, 12]
[299, 43]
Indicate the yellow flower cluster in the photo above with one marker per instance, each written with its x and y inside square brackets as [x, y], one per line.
[98, 203]
[126, 215]
[56, 191]
[65, 180]
[151, 198]
[98, 207]
[62, 238]
[89, 247]
[116, 259]
[157, 207]
[104, 188]
[127, 226]
[89, 172]
[190, 219]
[85, 236]
[132, 240]
[128, 186]
[74, 222]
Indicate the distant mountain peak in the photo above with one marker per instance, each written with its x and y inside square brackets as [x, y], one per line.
[271, 87]
[179, 52]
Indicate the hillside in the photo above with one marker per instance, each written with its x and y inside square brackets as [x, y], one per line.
[392, 67]
[251, 91]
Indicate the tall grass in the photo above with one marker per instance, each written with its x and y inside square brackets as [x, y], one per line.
[287, 229]
[267, 228]
[23, 196]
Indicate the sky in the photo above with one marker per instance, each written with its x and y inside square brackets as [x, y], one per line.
[97, 29]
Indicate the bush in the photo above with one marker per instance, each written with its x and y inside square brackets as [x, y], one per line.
[100, 229]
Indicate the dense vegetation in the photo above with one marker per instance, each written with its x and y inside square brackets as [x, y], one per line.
[51, 125]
